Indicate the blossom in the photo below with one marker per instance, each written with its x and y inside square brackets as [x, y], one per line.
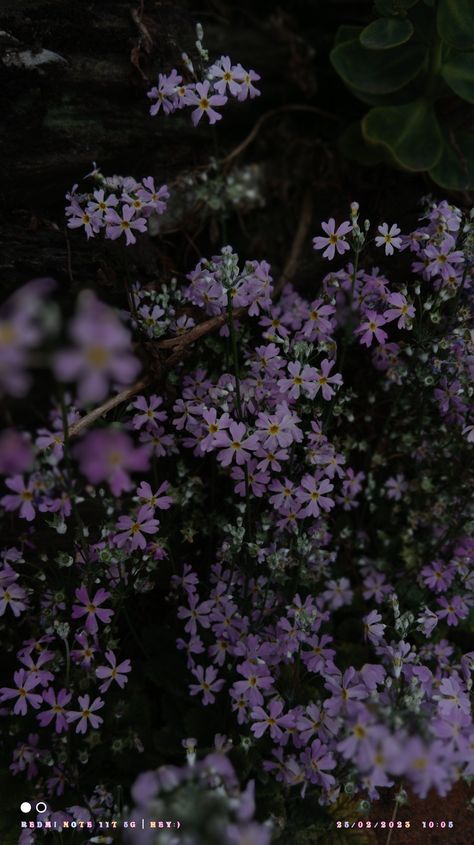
[92, 609]
[118, 225]
[324, 381]
[25, 683]
[102, 351]
[22, 499]
[109, 455]
[208, 683]
[335, 239]
[311, 495]
[87, 714]
[272, 719]
[396, 486]
[371, 327]
[114, 672]
[300, 379]
[14, 597]
[373, 627]
[196, 613]
[257, 678]
[388, 238]
[227, 76]
[164, 93]
[204, 103]
[131, 530]
[155, 500]
[57, 704]
[318, 760]
[452, 609]
[149, 413]
[247, 88]
[234, 444]
[400, 310]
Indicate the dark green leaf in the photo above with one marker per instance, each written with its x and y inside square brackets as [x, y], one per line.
[354, 146]
[393, 7]
[458, 72]
[377, 72]
[455, 168]
[456, 23]
[386, 33]
[347, 33]
[410, 132]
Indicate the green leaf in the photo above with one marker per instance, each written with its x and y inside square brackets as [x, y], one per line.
[393, 7]
[347, 33]
[354, 146]
[410, 132]
[386, 33]
[458, 72]
[455, 21]
[455, 168]
[376, 72]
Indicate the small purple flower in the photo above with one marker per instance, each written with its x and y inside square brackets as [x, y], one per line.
[388, 238]
[114, 672]
[208, 683]
[371, 328]
[204, 103]
[335, 238]
[109, 455]
[22, 692]
[87, 714]
[57, 704]
[453, 610]
[272, 719]
[23, 498]
[131, 531]
[102, 351]
[92, 608]
[125, 224]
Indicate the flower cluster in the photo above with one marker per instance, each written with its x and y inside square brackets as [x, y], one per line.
[219, 81]
[117, 206]
[316, 451]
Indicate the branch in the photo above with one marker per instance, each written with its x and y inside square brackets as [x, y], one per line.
[111, 403]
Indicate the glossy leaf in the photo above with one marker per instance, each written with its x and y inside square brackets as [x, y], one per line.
[458, 72]
[455, 168]
[347, 33]
[410, 132]
[375, 71]
[354, 146]
[456, 23]
[393, 7]
[386, 33]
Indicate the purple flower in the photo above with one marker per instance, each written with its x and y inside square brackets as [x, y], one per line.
[234, 444]
[149, 411]
[87, 714]
[453, 610]
[396, 487]
[103, 351]
[257, 678]
[311, 495]
[23, 497]
[388, 238]
[125, 224]
[373, 627]
[196, 613]
[204, 103]
[273, 720]
[344, 688]
[207, 683]
[92, 609]
[400, 310]
[318, 760]
[371, 328]
[131, 531]
[324, 380]
[227, 76]
[335, 239]
[12, 596]
[109, 455]
[155, 500]
[114, 672]
[57, 704]
[22, 692]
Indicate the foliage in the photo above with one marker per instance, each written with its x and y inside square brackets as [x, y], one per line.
[414, 66]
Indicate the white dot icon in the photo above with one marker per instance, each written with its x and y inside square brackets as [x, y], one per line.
[25, 807]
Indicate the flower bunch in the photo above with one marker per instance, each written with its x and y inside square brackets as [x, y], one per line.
[117, 206]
